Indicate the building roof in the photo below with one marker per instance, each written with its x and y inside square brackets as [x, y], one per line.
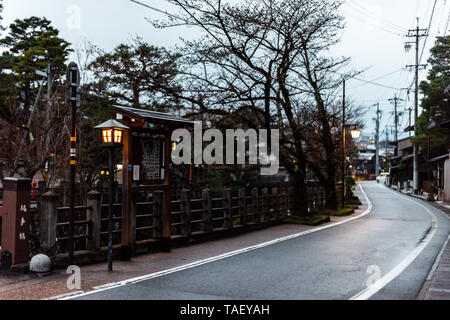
[148, 115]
[445, 123]
[443, 157]
[365, 156]
[400, 140]
[408, 157]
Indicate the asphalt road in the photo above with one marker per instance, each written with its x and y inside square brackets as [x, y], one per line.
[328, 264]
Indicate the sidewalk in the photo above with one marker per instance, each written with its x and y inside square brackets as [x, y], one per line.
[26, 287]
[437, 285]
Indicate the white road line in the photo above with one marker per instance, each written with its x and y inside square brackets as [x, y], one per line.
[222, 256]
[391, 275]
[65, 295]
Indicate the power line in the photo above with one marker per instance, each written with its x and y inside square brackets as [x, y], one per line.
[428, 30]
[446, 26]
[160, 11]
[442, 16]
[395, 31]
[375, 83]
[352, 4]
[380, 77]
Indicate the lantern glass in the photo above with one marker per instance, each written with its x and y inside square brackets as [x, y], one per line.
[117, 136]
[355, 134]
[107, 135]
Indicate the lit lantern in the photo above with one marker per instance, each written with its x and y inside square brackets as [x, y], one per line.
[112, 132]
[355, 133]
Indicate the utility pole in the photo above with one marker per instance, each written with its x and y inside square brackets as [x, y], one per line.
[416, 33]
[49, 96]
[395, 101]
[30, 119]
[387, 140]
[343, 145]
[377, 140]
[409, 111]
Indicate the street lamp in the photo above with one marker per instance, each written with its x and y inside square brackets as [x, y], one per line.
[112, 133]
[355, 133]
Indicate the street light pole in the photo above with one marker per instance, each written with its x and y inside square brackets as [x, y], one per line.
[73, 82]
[110, 206]
[343, 147]
[112, 133]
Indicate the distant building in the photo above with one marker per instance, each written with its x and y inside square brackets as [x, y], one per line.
[402, 164]
[439, 166]
[363, 165]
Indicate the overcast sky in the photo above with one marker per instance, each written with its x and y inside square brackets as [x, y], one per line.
[374, 38]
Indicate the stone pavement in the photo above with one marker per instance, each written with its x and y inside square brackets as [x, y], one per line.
[31, 286]
[437, 286]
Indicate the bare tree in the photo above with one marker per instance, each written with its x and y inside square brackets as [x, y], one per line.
[266, 63]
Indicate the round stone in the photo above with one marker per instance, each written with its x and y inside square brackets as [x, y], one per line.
[40, 263]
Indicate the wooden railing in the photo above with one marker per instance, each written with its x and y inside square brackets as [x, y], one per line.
[190, 213]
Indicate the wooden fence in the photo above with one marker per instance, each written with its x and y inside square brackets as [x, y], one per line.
[190, 214]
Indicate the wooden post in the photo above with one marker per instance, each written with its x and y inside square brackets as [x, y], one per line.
[228, 212]
[15, 219]
[283, 202]
[158, 203]
[243, 206]
[265, 204]
[166, 216]
[255, 204]
[186, 216]
[127, 245]
[94, 216]
[275, 203]
[48, 222]
[290, 200]
[207, 210]
[132, 220]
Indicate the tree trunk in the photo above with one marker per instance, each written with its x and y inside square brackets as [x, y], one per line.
[300, 194]
[331, 196]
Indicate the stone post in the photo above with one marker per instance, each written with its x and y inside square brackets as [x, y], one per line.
[48, 222]
[186, 216]
[94, 215]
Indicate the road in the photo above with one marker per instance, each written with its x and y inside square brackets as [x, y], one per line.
[398, 240]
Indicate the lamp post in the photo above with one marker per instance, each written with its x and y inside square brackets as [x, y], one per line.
[355, 133]
[112, 133]
[343, 144]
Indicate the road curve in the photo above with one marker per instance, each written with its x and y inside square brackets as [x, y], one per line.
[334, 263]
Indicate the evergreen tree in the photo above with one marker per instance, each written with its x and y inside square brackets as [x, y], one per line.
[436, 102]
